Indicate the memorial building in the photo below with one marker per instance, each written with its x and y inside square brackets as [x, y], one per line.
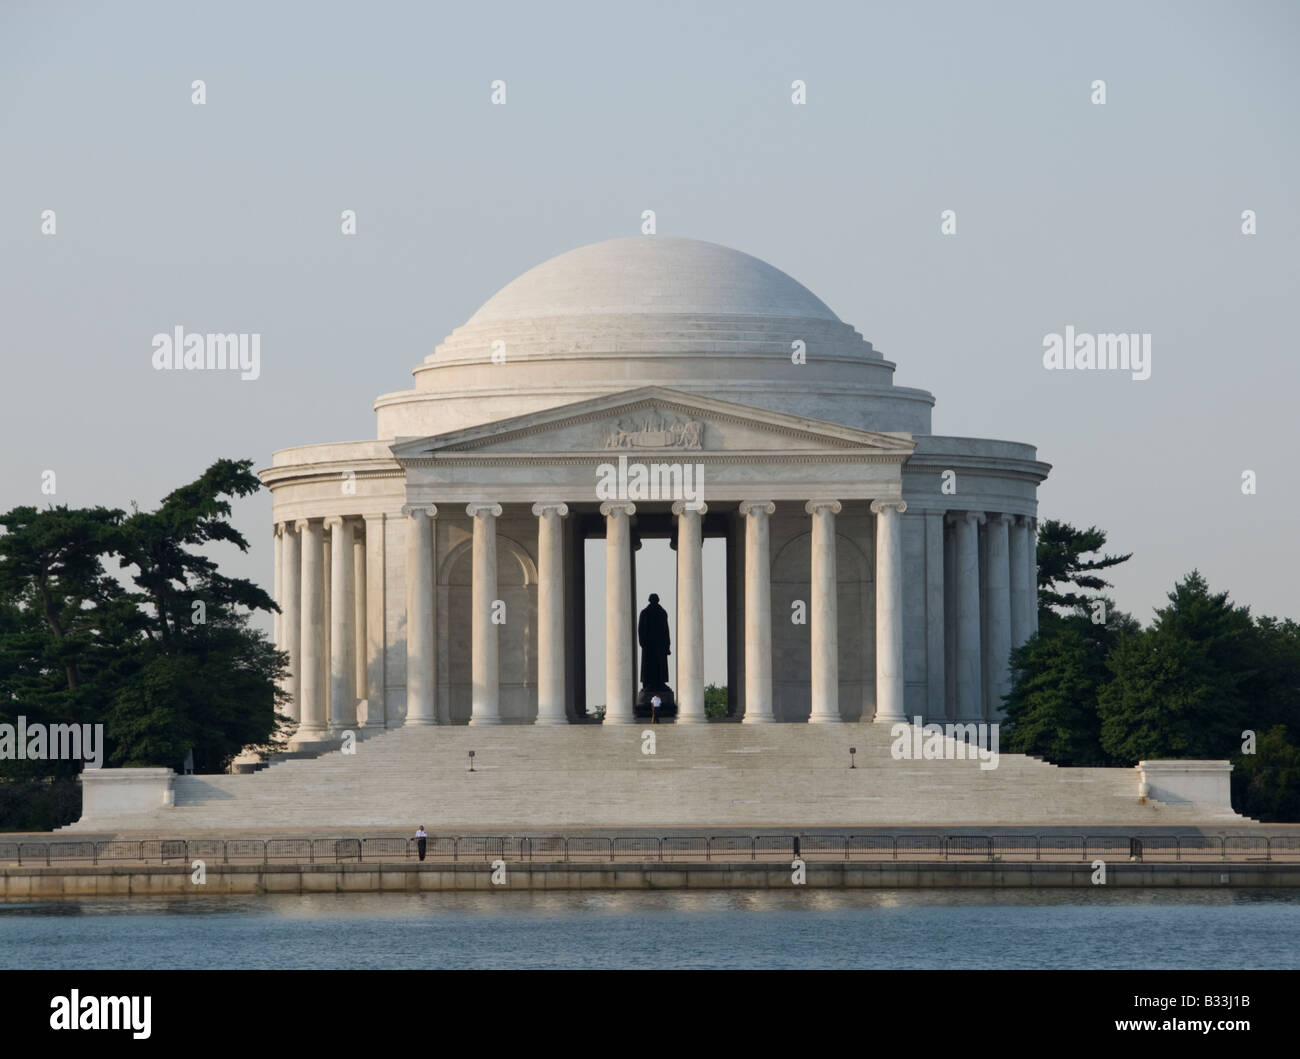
[636, 388]
[433, 586]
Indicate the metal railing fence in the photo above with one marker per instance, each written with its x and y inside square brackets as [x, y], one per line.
[589, 849]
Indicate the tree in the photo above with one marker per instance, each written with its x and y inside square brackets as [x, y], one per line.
[207, 682]
[1272, 691]
[1051, 711]
[168, 667]
[1266, 784]
[715, 702]
[65, 624]
[1061, 562]
[1178, 687]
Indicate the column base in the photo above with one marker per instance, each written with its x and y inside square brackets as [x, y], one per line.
[757, 719]
[825, 720]
[314, 741]
[551, 722]
[484, 722]
[418, 722]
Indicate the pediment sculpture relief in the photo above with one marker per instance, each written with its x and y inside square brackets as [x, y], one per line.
[654, 431]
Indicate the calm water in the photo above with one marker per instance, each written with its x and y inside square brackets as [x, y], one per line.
[828, 929]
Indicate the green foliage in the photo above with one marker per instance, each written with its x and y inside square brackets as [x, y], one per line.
[1063, 565]
[166, 662]
[1266, 784]
[1178, 687]
[38, 805]
[1194, 684]
[64, 622]
[715, 702]
[1051, 711]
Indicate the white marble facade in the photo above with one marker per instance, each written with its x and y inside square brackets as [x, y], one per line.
[435, 576]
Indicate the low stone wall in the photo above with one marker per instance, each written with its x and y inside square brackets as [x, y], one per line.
[1204, 783]
[113, 792]
[36, 884]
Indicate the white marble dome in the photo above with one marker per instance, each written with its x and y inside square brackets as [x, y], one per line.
[653, 311]
[655, 275]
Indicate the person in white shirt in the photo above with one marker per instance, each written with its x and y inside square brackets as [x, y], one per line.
[421, 840]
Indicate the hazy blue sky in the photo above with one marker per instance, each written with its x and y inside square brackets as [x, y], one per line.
[225, 217]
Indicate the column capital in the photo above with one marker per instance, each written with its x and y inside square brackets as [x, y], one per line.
[617, 507]
[278, 529]
[551, 507]
[813, 506]
[757, 507]
[995, 518]
[481, 508]
[411, 510]
[877, 506]
[302, 525]
[1028, 521]
[333, 522]
[957, 517]
[694, 507]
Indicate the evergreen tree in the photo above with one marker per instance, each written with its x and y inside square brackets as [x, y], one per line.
[1051, 711]
[170, 667]
[1178, 688]
[1062, 565]
[207, 681]
[1266, 784]
[66, 626]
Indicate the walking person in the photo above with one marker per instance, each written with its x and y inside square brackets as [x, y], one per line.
[421, 840]
[655, 703]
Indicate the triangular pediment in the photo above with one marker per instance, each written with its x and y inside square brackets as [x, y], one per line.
[652, 420]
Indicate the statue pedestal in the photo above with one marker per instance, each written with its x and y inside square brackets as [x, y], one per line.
[667, 708]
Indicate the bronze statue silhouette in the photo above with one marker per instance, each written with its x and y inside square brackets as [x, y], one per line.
[652, 635]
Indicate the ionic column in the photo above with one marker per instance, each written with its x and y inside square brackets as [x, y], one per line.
[550, 612]
[1022, 597]
[949, 712]
[343, 685]
[999, 603]
[619, 689]
[759, 705]
[889, 610]
[311, 633]
[935, 652]
[359, 611]
[277, 592]
[823, 618]
[485, 705]
[1031, 560]
[290, 622]
[969, 677]
[376, 632]
[690, 611]
[420, 683]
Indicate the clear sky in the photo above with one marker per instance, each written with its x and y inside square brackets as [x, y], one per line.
[1122, 217]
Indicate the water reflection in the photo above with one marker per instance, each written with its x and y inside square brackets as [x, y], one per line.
[606, 929]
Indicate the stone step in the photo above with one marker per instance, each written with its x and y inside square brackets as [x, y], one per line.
[714, 775]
